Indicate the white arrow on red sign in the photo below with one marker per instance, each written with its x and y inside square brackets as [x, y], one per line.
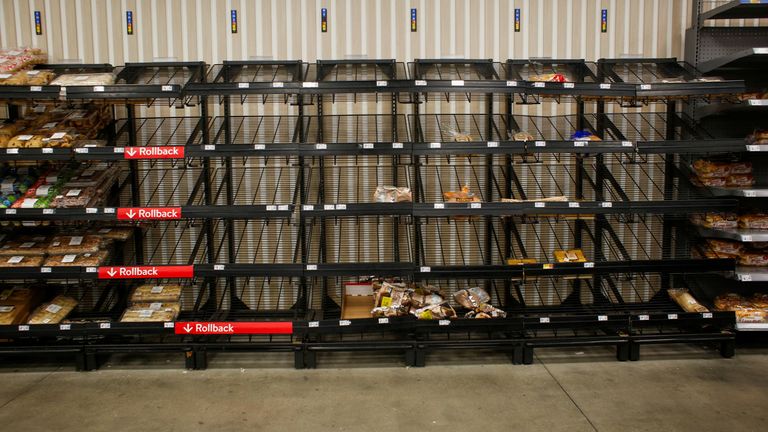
[188, 328]
[130, 152]
[130, 214]
[111, 272]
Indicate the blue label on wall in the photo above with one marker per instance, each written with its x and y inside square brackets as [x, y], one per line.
[324, 20]
[129, 22]
[604, 21]
[234, 21]
[517, 20]
[414, 25]
[38, 23]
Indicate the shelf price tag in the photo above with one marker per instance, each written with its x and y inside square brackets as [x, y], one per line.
[568, 85]
[314, 324]
[49, 211]
[645, 86]
[91, 270]
[329, 207]
[753, 148]
[81, 150]
[439, 206]
[706, 315]
[98, 89]
[166, 88]
[341, 206]
[425, 269]
[544, 320]
[457, 83]
[245, 85]
[589, 265]
[540, 144]
[397, 145]
[368, 146]
[23, 328]
[745, 277]
[746, 238]
[12, 151]
[45, 269]
[310, 84]
[643, 317]
[168, 324]
[278, 84]
[259, 147]
[311, 267]
[539, 84]
[46, 150]
[626, 143]
[475, 205]
[209, 147]
[109, 210]
[420, 83]
[579, 143]
[539, 204]
[381, 83]
[283, 207]
[602, 317]
[320, 146]
[750, 193]
[605, 86]
[383, 320]
[308, 207]
[435, 145]
[344, 323]
[271, 208]
[511, 83]
[492, 144]
[671, 316]
[65, 326]
[10, 211]
[36, 89]
[572, 204]
[105, 325]
[218, 267]
[606, 204]
[444, 322]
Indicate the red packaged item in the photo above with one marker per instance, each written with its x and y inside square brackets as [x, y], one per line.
[725, 246]
[708, 169]
[753, 258]
[756, 220]
[740, 180]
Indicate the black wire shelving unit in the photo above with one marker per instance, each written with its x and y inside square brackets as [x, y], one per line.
[276, 197]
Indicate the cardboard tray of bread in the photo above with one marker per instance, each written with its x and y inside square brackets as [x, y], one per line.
[54, 311]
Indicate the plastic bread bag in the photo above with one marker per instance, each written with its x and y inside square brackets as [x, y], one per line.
[685, 300]
[392, 194]
[553, 77]
[464, 195]
[522, 136]
[471, 298]
[486, 311]
[438, 311]
[426, 296]
[54, 311]
[585, 135]
[392, 300]
[90, 79]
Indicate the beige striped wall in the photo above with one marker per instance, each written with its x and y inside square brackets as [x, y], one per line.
[94, 30]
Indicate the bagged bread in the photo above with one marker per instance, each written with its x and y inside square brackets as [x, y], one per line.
[471, 298]
[426, 296]
[54, 311]
[156, 293]
[391, 300]
[151, 312]
[570, 255]
[392, 194]
[438, 311]
[485, 311]
[116, 233]
[21, 261]
[685, 300]
[62, 245]
[89, 79]
[88, 259]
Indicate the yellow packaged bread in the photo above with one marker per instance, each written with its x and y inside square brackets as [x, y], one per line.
[54, 311]
[151, 312]
[156, 293]
[521, 261]
[570, 255]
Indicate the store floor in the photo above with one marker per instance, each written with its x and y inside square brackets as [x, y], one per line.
[685, 388]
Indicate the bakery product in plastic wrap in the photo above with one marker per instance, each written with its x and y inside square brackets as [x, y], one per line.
[74, 197]
[570, 255]
[485, 311]
[391, 300]
[752, 258]
[559, 198]
[54, 311]
[88, 259]
[585, 135]
[522, 136]
[471, 298]
[685, 300]
[553, 77]
[438, 311]
[521, 261]
[426, 296]
[156, 293]
[151, 312]
[85, 79]
[24, 247]
[115, 233]
[464, 195]
[76, 244]
[759, 136]
[754, 220]
[725, 246]
[740, 180]
[392, 194]
[716, 220]
[21, 261]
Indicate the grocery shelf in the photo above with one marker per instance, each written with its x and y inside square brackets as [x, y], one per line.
[751, 274]
[49, 92]
[581, 78]
[738, 234]
[737, 9]
[746, 58]
[751, 326]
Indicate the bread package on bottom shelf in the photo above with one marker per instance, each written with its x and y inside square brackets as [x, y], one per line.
[156, 293]
[438, 311]
[760, 300]
[54, 311]
[391, 300]
[523, 136]
[485, 311]
[682, 297]
[716, 220]
[23, 248]
[92, 79]
[392, 194]
[151, 312]
[426, 296]
[21, 261]
[16, 303]
[725, 246]
[357, 300]
[471, 298]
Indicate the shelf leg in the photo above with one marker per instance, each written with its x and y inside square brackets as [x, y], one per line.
[622, 352]
[189, 359]
[527, 354]
[634, 351]
[728, 348]
[201, 360]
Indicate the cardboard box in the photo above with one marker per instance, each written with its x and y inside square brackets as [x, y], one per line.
[357, 300]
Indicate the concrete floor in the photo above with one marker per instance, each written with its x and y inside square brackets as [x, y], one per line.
[682, 388]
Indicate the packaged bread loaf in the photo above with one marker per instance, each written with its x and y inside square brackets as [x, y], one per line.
[521, 261]
[485, 311]
[391, 300]
[570, 255]
[156, 293]
[438, 311]
[471, 298]
[77, 244]
[730, 301]
[464, 195]
[682, 297]
[54, 311]
[74, 197]
[753, 258]
[740, 180]
[716, 220]
[151, 312]
[88, 259]
[426, 296]
[25, 141]
[725, 246]
[754, 220]
[23, 248]
[21, 261]
[392, 194]
[89, 79]
[522, 136]
[116, 233]
[760, 300]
